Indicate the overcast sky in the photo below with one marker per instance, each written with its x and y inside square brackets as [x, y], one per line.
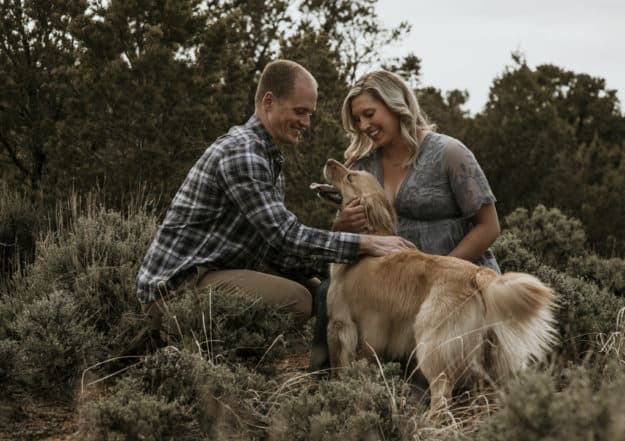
[465, 44]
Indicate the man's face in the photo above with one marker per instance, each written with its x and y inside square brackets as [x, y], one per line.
[287, 117]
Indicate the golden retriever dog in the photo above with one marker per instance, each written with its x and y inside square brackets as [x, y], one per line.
[457, 318]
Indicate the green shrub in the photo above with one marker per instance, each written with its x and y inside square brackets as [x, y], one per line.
[94, 261]
[129, 414]
[20, 222]
[357, 406]
[230, 325]
[6, 316]
[8, 354]
[607, 273]
[206, 399]
[549, 234]
[584, 312]
[537, 407]
[56, 340]
[512, 255]
[176, 375]
[69, 309]
[97, 261]
[211, 389]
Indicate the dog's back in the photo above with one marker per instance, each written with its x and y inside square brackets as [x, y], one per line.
[380, 301]
[382, 296]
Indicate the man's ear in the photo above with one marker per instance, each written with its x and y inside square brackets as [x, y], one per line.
[268, 99]
[380, 215]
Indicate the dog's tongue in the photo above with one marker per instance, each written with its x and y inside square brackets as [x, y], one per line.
[323, 188]
[326, 191]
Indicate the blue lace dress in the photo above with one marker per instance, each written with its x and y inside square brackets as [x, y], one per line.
[439, 195]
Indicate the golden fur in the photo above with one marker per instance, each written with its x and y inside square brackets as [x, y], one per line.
[453, 315]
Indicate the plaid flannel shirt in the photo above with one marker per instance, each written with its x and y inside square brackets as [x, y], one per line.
[229, 213]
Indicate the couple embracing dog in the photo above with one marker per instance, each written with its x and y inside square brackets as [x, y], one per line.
[228, 225]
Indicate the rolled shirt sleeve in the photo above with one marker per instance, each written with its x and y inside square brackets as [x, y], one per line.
[247, 183]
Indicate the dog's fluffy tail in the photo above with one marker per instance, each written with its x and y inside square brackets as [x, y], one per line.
[519, 310]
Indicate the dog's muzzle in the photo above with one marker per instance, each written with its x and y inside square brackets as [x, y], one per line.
[327, 192]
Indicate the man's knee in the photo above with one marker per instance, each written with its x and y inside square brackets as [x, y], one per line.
[299, 302]
[286, 294]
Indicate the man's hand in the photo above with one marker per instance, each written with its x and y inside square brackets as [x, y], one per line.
[383, 245]
[351, 219]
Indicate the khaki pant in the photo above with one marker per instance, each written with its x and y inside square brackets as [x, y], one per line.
[291, 295]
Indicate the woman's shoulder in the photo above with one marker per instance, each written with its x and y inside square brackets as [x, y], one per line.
[443, 142]
[450, 150]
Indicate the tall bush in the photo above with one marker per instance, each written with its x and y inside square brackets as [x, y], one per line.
[226, 324]
[68, 310]
[359, 405]
[585, 312]
[56, 338]
[551, 235]
[20, 222]
[178, 395]
[606, 273]
[539, 406]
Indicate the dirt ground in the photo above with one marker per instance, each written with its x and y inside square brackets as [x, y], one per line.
[23, 417]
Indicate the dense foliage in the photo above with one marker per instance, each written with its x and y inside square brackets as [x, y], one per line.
[119, 94]
[66, 318]
[104, 105]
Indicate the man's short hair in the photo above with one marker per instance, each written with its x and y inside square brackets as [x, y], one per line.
[279, 77]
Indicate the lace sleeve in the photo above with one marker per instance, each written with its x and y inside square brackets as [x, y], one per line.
[467, 180]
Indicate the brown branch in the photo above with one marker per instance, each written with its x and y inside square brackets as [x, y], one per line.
[25, 44]
[13, 155]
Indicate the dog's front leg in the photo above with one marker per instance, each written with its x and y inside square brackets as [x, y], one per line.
[440, 393]
[342, 343]
[342, 331]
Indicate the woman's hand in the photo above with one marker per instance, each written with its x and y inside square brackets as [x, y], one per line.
[351, 219]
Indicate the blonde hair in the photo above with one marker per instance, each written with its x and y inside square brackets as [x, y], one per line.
[395, 94]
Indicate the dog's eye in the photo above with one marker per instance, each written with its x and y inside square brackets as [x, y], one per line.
[349, 178]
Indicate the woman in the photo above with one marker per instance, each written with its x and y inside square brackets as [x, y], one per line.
[443, 200]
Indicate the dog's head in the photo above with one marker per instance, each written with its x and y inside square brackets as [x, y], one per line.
[355, 184]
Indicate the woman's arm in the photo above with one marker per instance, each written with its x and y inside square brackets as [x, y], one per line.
[484, 232]
[471, 192]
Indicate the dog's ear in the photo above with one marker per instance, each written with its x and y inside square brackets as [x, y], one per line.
[380, 214]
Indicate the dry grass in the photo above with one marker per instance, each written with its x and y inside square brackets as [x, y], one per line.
[236, 369]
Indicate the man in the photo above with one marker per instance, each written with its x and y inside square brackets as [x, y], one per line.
[227, 224]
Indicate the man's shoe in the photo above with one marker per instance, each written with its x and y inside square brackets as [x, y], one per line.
[319, 358]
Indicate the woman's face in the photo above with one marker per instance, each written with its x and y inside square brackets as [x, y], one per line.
[374, 119]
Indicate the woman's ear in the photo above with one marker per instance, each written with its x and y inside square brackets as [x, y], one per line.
[381, 217]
